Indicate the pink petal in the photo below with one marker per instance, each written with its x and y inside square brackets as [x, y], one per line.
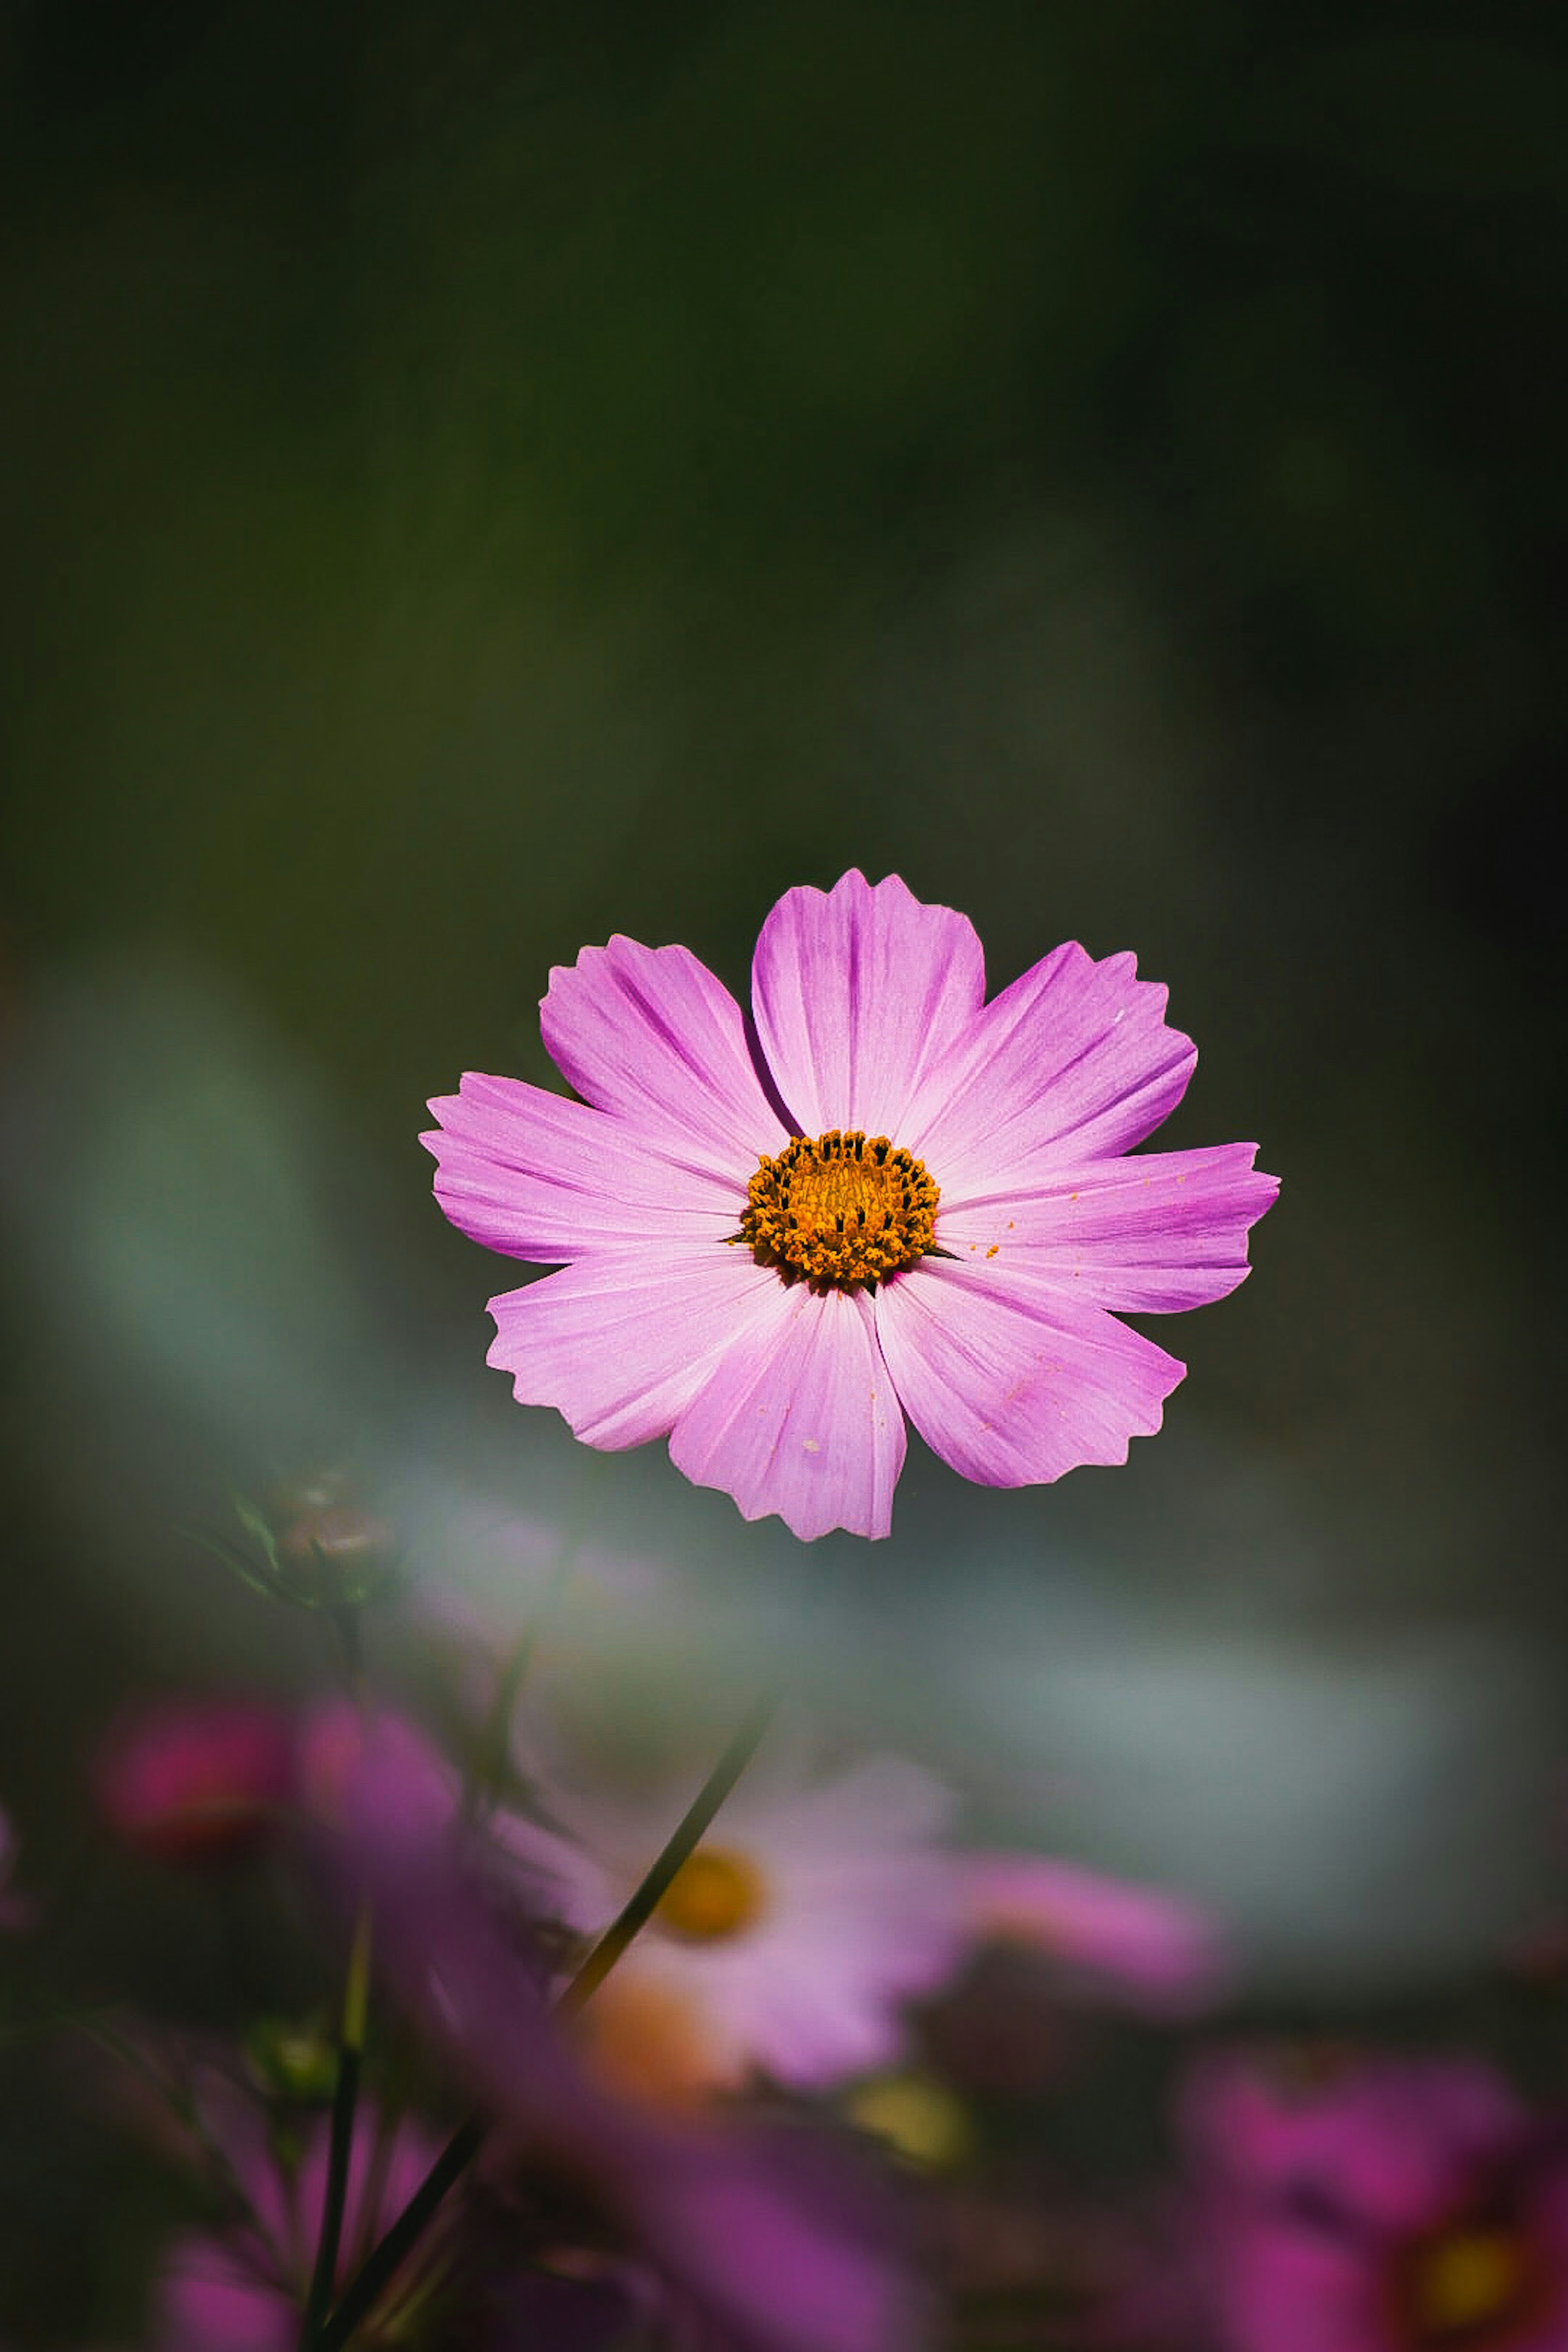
[1162, 1951]
[785, 2245]
[649, 1034]
[1155, 1233]
[857, 992]
[393, 2157]
[620, 1342]
[544, 1178]
[799, 1417]
[1288, 2288]
[209, 2298]
[557, 1877]
[1395, 2141]
[881, 1805]
[1074, 1061]
[815, 2035]
[1010, 1384]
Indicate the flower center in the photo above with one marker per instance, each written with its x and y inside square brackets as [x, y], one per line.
[1463, 2282]
[839, 1211]
[714, 1895]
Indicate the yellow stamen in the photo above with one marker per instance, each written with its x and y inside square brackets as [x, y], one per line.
[715, 1893]
[1465, 2280]
[840, 1211]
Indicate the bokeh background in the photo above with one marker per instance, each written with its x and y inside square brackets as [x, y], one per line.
[476, 480]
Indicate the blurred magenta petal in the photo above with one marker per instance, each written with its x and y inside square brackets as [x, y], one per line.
[1158, 1951]
[375, 1782]
[775, 2251]
[243, 2290]
[1285, 2290]
[1377, 2205]
[214, 2297]
[195, 1780]
[939, 1230]
[1395, 2137]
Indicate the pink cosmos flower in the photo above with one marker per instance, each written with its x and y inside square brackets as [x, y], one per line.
[1380, 2205]
[881, 1196]
[789, 1941]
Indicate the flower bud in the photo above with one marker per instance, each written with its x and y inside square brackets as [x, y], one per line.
[295, 2062]
[329, 1550]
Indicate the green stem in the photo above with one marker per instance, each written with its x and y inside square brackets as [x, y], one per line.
[365, 2289]
[345, 2099]
[497, 1744]
[465, 2143]
[351, 1643]
[681, 1844]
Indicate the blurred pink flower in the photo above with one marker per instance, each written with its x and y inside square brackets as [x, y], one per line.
[243, 2289]
[789, 1941]
[1379, 2205]
[1153, 1950]
[199, 1780]
[817, 1908]
[884, 1196]
[765, 2239]
[384, 1778]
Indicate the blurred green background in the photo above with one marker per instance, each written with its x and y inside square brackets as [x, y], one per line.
[480, 479]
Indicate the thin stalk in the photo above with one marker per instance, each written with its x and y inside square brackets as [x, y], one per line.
[345, 2100]
[681, 1844]
[351, 1643]
[465, 2143]
[497, 1744]
[364, 2291]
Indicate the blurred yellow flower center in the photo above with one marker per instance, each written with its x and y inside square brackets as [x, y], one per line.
[1463, 2281]
[840, 1211]
[919, 2119]
[715, 1893]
